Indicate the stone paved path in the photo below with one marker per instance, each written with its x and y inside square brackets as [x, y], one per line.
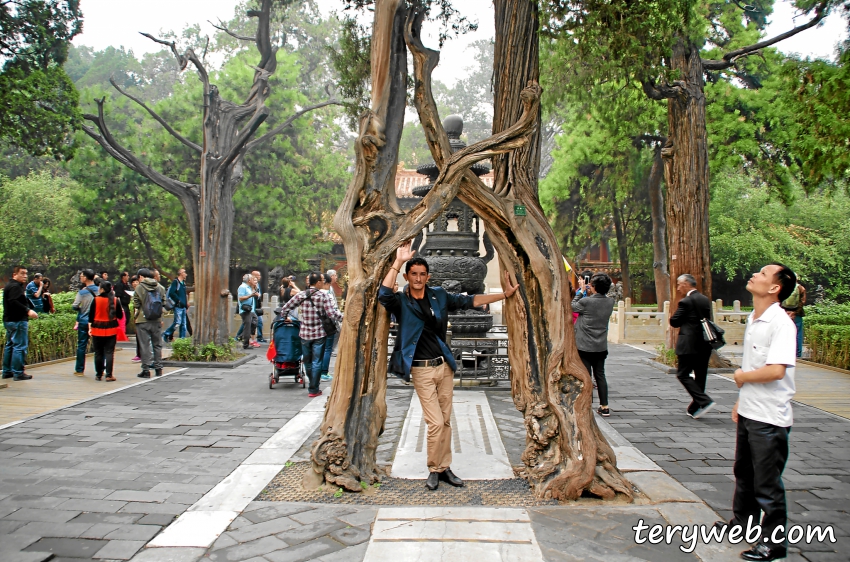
[648, 409]
[99, 480]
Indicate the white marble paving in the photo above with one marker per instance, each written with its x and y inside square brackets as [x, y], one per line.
[208, 518]
[477, 449]
[194, 529]
[437, 534]
[630, 459]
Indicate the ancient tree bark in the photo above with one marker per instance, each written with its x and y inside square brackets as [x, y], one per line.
[372, 228]
[659, 230]
[229, 131]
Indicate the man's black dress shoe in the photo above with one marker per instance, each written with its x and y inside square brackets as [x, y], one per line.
[449, 476]
[433, 481]
[763, 553]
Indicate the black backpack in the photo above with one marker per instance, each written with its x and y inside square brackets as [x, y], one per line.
[152, 307]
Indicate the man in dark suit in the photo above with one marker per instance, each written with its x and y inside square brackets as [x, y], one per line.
[692, 350]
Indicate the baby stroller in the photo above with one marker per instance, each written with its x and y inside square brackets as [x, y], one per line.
[285, 352]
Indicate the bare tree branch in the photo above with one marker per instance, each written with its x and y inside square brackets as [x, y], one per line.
[126, 157]
[221, 27]
[184, 60]
[291, 119]
[194, 146]
[729, 58]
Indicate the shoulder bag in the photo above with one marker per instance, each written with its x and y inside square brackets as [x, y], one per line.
[328, 324]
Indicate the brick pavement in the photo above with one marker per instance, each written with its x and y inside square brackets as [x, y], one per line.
[98, 480]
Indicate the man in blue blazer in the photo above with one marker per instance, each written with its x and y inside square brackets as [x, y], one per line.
[422, 313]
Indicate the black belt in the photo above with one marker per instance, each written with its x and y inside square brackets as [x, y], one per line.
[428, 362]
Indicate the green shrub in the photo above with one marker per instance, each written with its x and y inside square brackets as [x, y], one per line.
[666, 356]
[51, 336]
[828, 319]
[829, 344]
[62, 302]
[828, 307]
[183, 349]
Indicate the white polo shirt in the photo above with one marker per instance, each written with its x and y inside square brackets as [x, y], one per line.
[769, 340]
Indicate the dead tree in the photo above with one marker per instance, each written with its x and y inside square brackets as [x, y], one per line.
[566, 452]
[229, 133]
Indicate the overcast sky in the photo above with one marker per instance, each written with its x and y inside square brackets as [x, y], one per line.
[118, 23]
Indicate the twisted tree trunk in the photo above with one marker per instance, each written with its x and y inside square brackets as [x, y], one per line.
[566, 452]
[659, 229]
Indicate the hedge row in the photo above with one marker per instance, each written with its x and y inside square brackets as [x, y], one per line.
[51, 336]
[827, 319]
[830, 344]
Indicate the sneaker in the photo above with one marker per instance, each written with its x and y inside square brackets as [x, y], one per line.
[28, 377]
[327, 378]
[76, 374]
[604, 412]
[703, 411]
[261, 340]
[110, 379]
[98, 377]
[144, 375]
[315, 394]
[9, 376]
[255, 344]
[136, 359]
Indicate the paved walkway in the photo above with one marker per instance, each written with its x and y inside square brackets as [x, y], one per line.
[102, 479]
[55, 386]
[824, 389]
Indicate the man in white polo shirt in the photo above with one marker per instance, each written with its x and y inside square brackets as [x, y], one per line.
[763, 411]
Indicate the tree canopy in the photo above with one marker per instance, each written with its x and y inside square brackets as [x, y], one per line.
[38, 98]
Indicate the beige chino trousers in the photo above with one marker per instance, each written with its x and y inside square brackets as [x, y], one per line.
[434, 386]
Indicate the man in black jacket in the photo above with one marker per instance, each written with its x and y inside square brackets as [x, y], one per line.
[692, 350]
[16, 315]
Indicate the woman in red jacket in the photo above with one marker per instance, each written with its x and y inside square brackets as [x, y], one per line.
[104, 314]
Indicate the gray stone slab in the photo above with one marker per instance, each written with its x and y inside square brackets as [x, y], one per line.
[247, 550]
[320, 513]
[350, 554]
[72, 548]
[273, 510]
[97, 506]
[361, 517]
[15, 556]
[162, 519]
[134, 532]
[266, 528]
[305, 551]
[119, 550]
[45, 515]
[138, 496]
[351, 536]
[311, 531]
[81, 492]
[69, 530]
[661, 487]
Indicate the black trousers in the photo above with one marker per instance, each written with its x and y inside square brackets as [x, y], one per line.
[594, 362]
[698, 363]
[104, 354]
[760, 456]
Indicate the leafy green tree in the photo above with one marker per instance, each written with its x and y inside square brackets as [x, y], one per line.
[39, 100]
[38, 222]
[657, 45]
[751, 226]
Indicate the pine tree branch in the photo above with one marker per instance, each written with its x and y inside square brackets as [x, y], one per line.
[194, 146]
[821, 11]
[184, 60]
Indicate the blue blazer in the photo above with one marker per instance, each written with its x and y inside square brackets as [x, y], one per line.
[411, 322]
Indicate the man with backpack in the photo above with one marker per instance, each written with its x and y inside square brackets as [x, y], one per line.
[82, 303]
[149, 303]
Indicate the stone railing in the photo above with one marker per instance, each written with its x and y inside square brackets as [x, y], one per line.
[648, 325]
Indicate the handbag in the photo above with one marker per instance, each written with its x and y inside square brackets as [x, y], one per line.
[328, 325]
[712, 334]
[246, 307]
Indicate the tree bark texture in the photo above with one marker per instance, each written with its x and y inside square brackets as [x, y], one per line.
[622, 243]
[229, 131]
[566, 453]
[659, 228]
[686, 172]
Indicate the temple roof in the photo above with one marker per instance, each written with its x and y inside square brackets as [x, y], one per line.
[406, 180]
